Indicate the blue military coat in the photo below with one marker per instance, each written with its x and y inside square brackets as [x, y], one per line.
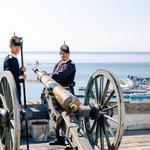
[11, 64]
[64, 73]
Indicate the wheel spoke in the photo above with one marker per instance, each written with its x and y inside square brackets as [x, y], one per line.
[8, 141]
[2, 86]
[108, 99]
[91, 93]
[12, 125]
[97, 134]
[101, 89]
[105, 90]
[106, 135]
[12, 135]
[7, 94]
[1, 90]
[6, 89]
[96, 89]
[4, 134]
[111, 107]
[109, 129]
[5, 137]
[93, 127]
[101, 136]
[111, 118]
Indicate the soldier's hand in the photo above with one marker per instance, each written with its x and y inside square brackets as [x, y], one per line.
[24, 77]
[23, 69]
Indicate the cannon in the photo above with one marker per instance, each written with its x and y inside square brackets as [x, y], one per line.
[96, 123]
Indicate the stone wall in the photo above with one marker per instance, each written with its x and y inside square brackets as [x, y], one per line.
[137, 116]
[137, 108]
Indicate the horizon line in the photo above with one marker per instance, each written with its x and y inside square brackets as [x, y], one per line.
[87, 51]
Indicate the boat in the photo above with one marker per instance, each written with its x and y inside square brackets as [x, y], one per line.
[145, 95]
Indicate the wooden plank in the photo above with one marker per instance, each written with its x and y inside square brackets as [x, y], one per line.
[132, 140]
[136, 140]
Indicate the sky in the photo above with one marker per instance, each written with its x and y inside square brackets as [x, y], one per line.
[85, 25]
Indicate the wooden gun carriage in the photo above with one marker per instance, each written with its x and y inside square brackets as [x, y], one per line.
[97, 123]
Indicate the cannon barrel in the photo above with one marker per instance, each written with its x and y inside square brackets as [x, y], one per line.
[68, 101]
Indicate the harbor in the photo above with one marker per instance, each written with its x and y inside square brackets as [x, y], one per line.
[134, 89]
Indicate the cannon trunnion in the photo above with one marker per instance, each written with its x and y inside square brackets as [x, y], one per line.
[96, 123]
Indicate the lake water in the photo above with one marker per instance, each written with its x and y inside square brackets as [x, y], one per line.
[120, 63]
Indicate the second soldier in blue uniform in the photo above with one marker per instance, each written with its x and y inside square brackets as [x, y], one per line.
[64, 73]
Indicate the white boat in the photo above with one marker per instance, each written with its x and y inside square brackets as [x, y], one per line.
[140, 95]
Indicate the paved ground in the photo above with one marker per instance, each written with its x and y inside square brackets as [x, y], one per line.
[132, 140]
[136, 140]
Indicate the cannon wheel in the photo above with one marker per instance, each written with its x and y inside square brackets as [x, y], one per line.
[10, 130]
[104, 93]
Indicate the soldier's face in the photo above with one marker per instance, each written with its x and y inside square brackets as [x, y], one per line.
[15, 49]
[64, 56]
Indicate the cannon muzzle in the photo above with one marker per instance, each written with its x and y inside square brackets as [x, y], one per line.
[68, 101]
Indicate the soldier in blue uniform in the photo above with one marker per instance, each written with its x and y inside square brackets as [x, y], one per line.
[64, 73]
[11, 64]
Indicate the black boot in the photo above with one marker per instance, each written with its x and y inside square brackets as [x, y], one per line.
[60, 140]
